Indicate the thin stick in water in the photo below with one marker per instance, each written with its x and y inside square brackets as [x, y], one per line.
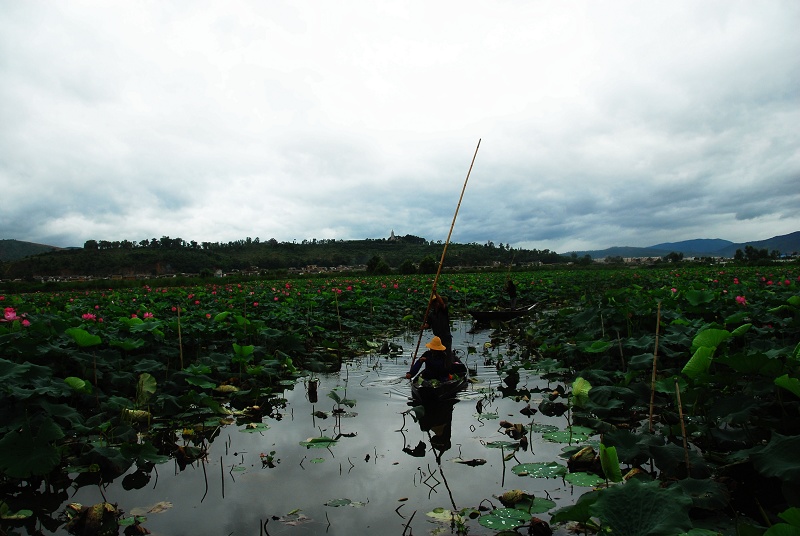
[655, 366]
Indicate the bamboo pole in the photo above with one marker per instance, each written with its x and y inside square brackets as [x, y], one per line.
[444, 252]
[655, 367]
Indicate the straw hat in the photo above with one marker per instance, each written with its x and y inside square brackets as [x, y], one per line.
[436, 344]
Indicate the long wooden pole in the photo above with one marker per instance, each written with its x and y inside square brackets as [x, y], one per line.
[444, 252]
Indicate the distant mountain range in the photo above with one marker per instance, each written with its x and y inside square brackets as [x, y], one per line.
[700, 247]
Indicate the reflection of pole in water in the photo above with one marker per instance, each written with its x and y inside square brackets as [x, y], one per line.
[436, 419]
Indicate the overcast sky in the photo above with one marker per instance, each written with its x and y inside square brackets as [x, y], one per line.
[600, 123]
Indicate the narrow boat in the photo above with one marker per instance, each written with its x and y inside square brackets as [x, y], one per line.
[431, 390]
[499, 315]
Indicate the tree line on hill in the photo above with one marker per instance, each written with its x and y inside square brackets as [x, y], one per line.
[153, 257]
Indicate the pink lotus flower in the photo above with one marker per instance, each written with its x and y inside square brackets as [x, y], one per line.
[9, 314]
[26, 322]
[89, 316]
[148, 315]
[741, 300]
[674, 290]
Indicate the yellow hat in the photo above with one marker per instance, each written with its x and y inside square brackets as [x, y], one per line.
[436, 344]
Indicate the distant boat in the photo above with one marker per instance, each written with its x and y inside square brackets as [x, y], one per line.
[499, 315]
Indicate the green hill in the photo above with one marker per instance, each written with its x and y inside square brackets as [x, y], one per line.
[175, 256]
[12, 250]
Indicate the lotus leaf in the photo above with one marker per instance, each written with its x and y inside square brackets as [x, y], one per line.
[504, 518]
[779, 458]
[83, 337]
[643, 509]
[540, 470]
[22, 455]
[610, 463]
[587, 480]
[565, 436]
[318, 442]
[254, 427]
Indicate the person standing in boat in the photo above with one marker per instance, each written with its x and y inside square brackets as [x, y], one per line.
[511, 289]
[438, 322]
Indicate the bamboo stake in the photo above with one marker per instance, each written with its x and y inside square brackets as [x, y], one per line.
[683, 425]
[655, 366]
[444, 251]
[180, 341]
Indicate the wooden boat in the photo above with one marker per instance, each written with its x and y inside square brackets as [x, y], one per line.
[432, 391]
[499, 315]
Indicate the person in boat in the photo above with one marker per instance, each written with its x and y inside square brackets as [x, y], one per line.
[439, 364]
[438, 321]
[511, 290]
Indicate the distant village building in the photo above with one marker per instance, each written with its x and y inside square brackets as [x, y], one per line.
[392, 238]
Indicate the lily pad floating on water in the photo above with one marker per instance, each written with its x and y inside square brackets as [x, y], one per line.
[345, 502]
[540, 470]
[575, 434]
[543, 428]
[587, 480]
[255, 427]
[318, 442]
[504, 518]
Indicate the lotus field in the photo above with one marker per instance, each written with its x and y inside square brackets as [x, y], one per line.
[680, 386]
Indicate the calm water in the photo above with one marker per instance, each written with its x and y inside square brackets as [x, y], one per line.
[236, 494]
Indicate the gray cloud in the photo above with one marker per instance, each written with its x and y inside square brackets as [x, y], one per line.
[626, 123]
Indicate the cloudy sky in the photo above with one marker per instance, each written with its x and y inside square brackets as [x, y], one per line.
[600, 123]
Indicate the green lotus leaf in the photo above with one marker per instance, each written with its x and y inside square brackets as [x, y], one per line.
[6, 513]
[580, 391]
[22, 455]
[699, 362]
[710, 338]
[504, 518]
[586, 480]
[791, 516]
[540, 470]
[610, 463]
[565, 436]
[790, 384]
[705, 494]
[318, 442]
[779, 458]
[440, 514]
[578, 512]
[83, 337]
[699, 297]
[145, 388]
[254, 427]
[535, 505]
[543, 428]
[127, 344]
[78, 384]
[658, 511]
[782, 529]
